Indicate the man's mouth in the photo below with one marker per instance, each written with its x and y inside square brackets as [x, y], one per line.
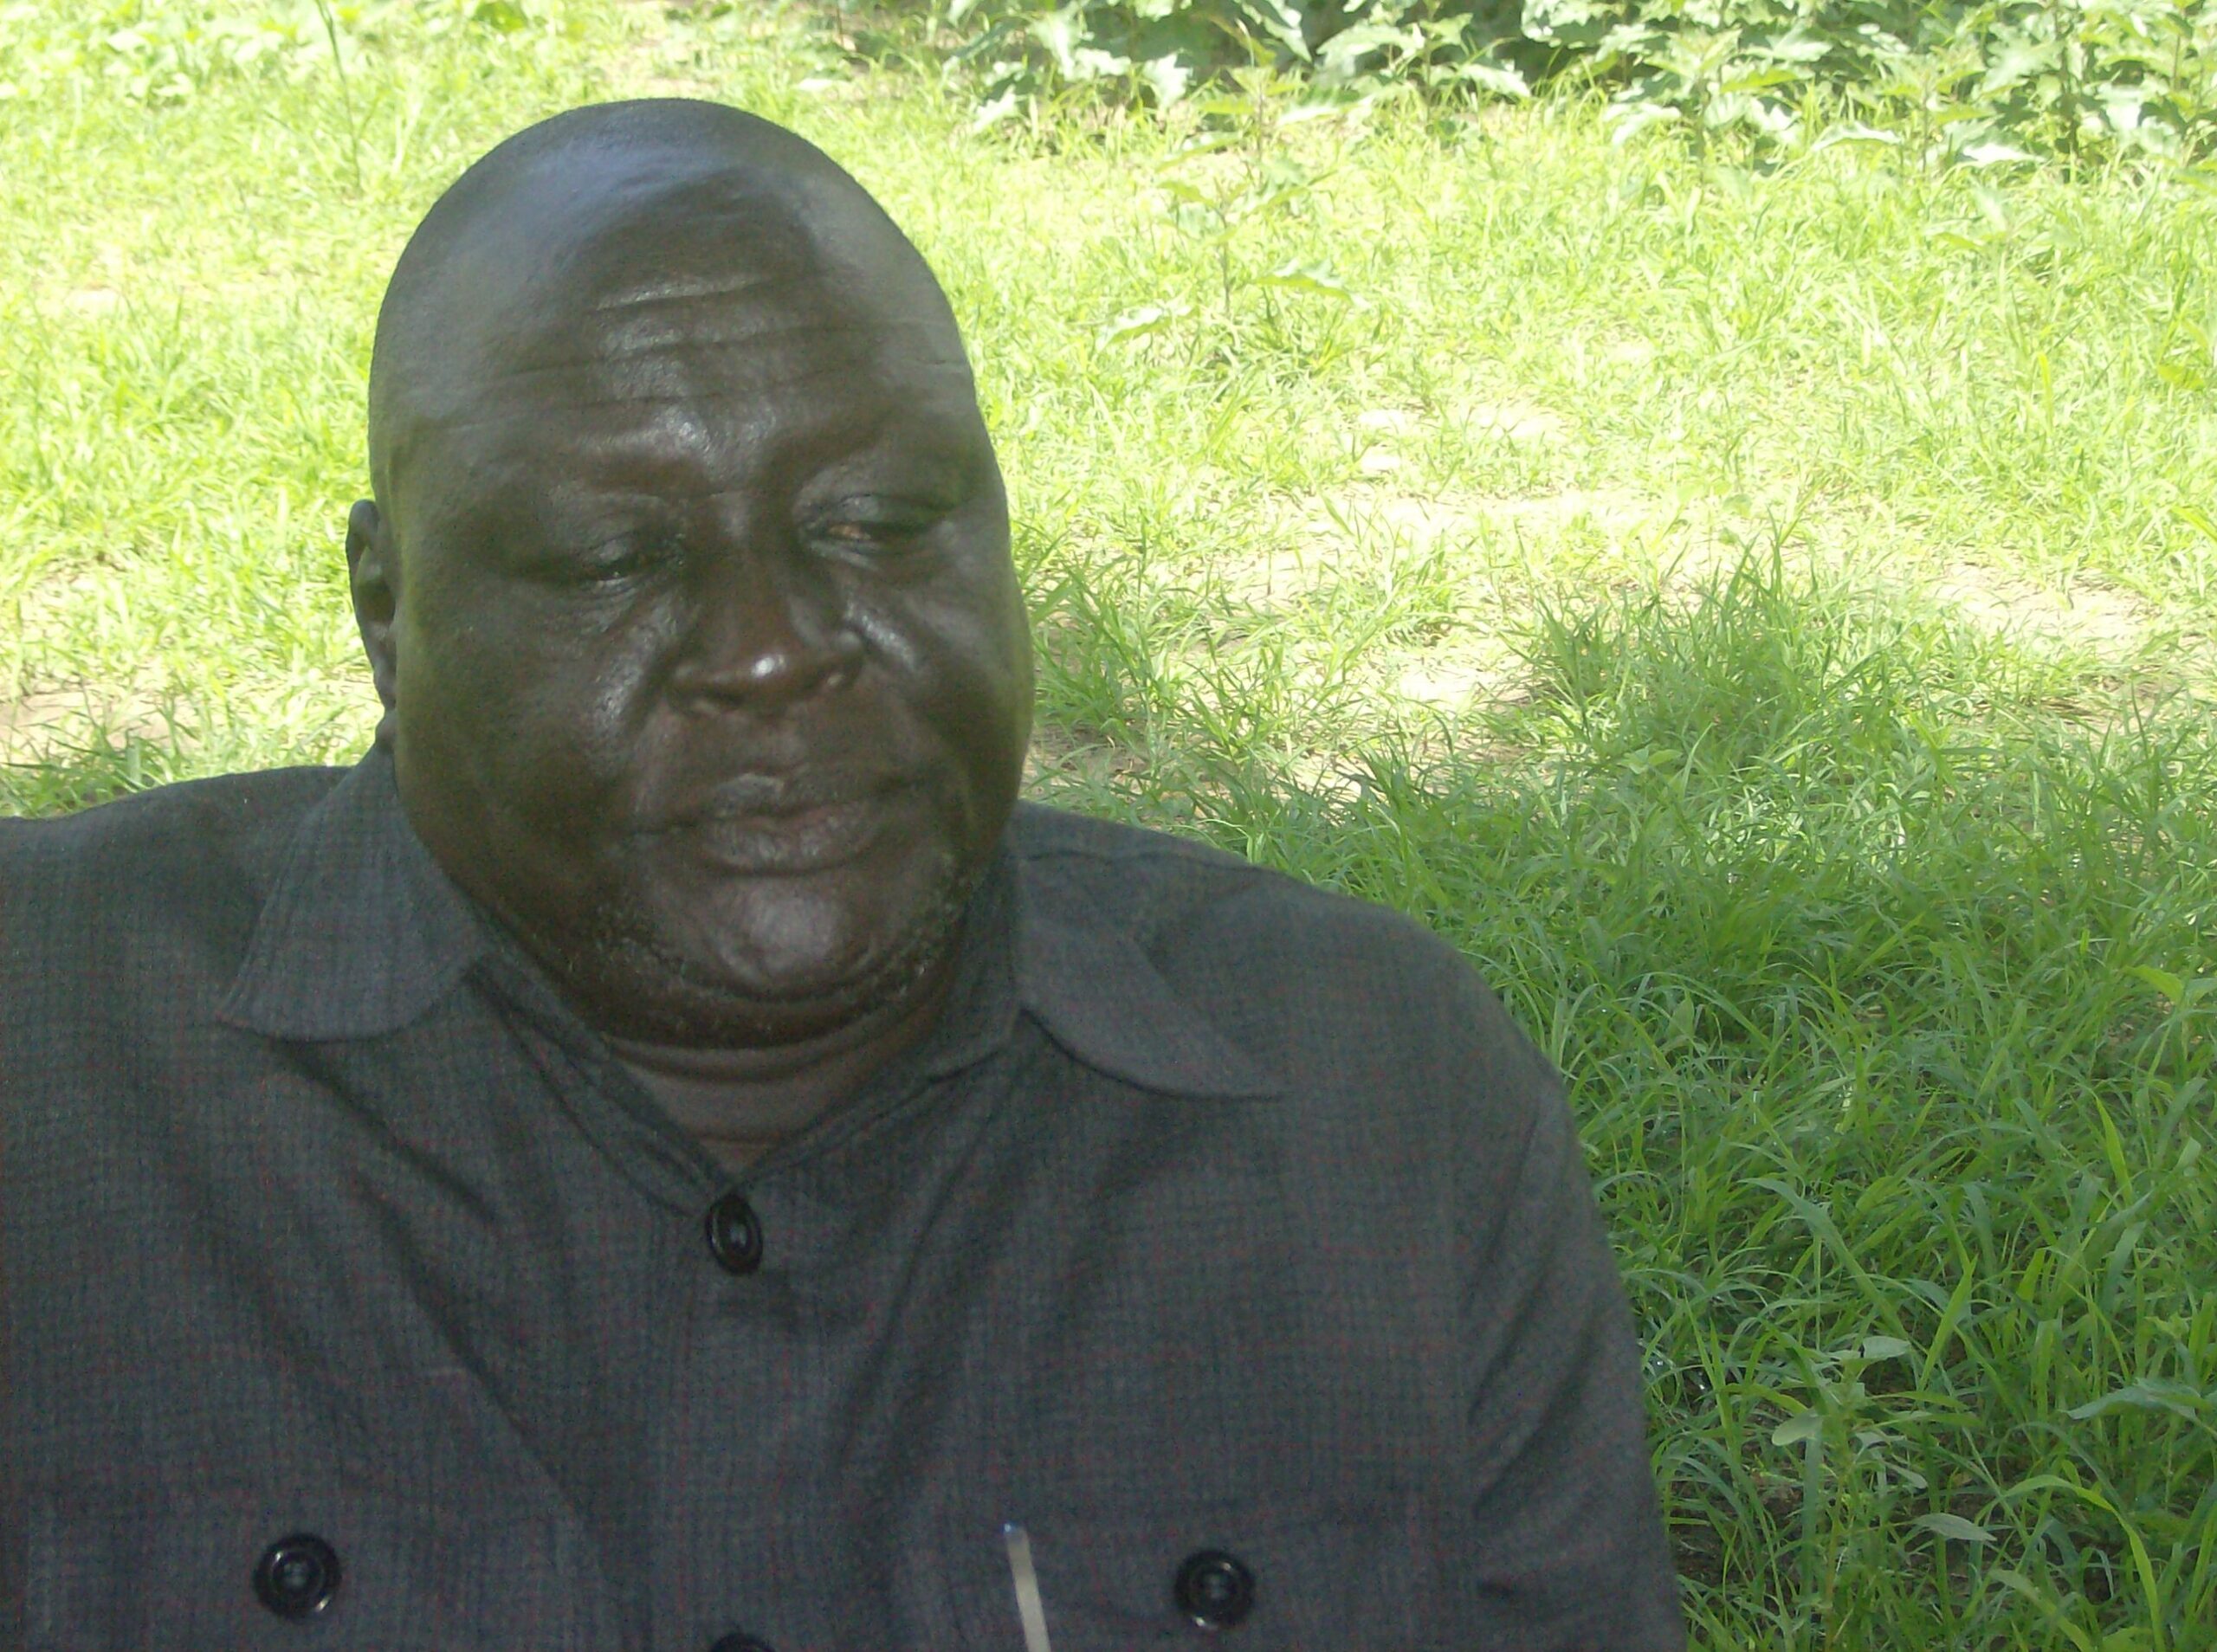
[785, 826]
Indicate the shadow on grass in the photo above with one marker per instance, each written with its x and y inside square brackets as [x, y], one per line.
[1875, 1001]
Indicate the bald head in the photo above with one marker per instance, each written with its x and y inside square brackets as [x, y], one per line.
[592, 224]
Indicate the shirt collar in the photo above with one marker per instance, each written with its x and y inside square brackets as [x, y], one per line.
[1096, 994]
[363, 933]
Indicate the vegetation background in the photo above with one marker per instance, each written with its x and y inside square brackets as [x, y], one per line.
[1729, 544]
[1957, 78]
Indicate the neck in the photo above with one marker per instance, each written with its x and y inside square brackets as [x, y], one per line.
[740, 1103]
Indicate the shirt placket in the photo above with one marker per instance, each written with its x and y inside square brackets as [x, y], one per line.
[746, 1532]
[744, 1519]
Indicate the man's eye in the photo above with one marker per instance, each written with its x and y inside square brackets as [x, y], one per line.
[871, 538]
[620, 560]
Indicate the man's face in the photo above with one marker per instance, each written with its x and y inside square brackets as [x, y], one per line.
[710, 672]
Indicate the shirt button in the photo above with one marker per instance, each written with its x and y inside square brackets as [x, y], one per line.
[740, 1643]
[1214, 1589]
[297, 1576]
[734, 1236]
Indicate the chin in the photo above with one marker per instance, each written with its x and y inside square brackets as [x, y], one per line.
[792, 966]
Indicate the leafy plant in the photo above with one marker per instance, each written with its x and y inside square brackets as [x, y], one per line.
[1216, 208]
[1965, 79]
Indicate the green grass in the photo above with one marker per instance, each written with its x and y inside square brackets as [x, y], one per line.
[1764, 617]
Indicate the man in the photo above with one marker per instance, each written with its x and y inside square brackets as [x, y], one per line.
[667, 1154]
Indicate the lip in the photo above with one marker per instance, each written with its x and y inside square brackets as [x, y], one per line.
[762, 827]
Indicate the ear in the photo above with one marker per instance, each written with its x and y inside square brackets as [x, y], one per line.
[373, 575]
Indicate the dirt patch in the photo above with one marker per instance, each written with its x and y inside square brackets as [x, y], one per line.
[1321, 529]
[2083, 613]
[1523, 423]
[1484, 673]
[1387, 430]
[35, 724]
[1617, 511]
[1277, 577]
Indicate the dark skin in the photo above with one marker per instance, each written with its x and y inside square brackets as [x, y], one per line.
[687, 591]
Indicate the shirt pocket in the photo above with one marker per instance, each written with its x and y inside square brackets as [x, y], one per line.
[340, 1573]
[1262, 1579]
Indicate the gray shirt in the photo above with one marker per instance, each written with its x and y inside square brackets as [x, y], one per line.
[1224, 1236]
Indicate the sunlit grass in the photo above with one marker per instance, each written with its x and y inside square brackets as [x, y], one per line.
[1764, 618]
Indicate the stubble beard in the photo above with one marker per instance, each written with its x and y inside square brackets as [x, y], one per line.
[631, 984]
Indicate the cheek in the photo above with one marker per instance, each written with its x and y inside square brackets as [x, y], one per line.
[550, 699]
[964, 685]
[962, 656]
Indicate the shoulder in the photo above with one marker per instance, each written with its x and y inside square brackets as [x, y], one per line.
[242, 817]
[1324, 991]
[196, 856]
[1171, 890]
[1203, 916]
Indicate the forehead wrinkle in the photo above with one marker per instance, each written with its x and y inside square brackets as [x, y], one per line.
[648, 340]
[478, 416]
[715, 355]
[661, 378]
[661, 404]
[683, 289]
[723, 312]
[664, 366]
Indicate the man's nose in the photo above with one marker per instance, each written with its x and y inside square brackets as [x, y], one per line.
[766, 629]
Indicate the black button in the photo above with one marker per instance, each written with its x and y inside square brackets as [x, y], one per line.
[1214, 1589]
[734, 1236]
[740, 1643]
[297, 1576]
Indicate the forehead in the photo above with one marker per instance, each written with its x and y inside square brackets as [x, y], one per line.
[714, 327]
[704, 372]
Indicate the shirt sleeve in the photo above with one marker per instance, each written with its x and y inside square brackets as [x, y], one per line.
[1570, 1554]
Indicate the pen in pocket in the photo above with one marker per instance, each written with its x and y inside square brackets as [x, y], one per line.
[1029, 1609]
